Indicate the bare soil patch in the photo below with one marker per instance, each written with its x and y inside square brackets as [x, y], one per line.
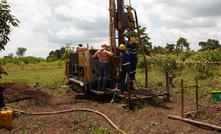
[149, 116]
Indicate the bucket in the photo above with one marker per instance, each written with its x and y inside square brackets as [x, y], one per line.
[216, 95]
[5, 118]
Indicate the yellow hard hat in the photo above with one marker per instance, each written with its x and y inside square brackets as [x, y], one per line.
[133, 40]
[122, 47]
[104, 45]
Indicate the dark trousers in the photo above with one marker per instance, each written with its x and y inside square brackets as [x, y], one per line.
[133, 66]
[2, 104]
[122, 80]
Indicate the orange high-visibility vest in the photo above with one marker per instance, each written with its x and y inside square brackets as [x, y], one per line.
[102, 55]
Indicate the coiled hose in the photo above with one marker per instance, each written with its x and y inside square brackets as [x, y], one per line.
[70, 110]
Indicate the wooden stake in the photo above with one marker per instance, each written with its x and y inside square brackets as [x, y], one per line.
[195, 122]
[167, 86]
[196, 94]
[182, 98]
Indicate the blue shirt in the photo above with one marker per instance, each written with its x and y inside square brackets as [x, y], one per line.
[125, 60]
[132, 49]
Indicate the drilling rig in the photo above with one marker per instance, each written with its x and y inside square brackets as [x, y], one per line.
[82, 70]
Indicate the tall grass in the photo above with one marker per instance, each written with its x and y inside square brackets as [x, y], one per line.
[32, 66]
[46, 78]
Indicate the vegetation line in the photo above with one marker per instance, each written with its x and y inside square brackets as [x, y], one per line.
[70, 110]
[36, 69]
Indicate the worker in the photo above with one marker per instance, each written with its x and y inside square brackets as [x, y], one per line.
[103, 55]
[2, 104]
[124, 66]
[132, 50]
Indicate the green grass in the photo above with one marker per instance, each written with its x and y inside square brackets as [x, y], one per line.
[46, 78]
[42, 65]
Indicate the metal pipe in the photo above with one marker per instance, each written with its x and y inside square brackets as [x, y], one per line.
[114, 17]
[128, 91]
[76, 81]
[167, 86]
[120, 10]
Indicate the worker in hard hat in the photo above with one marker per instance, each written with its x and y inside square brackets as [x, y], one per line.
[103, 55]
[2, 104]
[132, 50]
[124, 66]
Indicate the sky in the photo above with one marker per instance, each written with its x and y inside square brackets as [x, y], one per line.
[47, 25]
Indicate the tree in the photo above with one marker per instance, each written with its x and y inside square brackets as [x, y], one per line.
[11, 55]
[52, 53]
[68, 49]
[211, 44]
[170, 48]
[181, 44]
[145, 40]
[158, 49]
[57, 54]
[21, 51]
[62, 53]
[6, 22]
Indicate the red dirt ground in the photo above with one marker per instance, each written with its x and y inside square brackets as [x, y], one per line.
[150, 119]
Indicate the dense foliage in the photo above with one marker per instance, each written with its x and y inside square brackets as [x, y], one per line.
[60, 54]
[18, 61]
[169, 62]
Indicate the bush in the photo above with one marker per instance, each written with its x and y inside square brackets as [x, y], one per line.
[43, 64]
[19, 60]
[59, 63]
[7, 66]
[169, 64]
[22, 66]
[33, 66]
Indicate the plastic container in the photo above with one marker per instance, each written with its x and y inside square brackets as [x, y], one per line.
[5, 118]
[216, 95]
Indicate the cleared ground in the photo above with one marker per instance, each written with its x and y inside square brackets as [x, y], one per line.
[149, 116]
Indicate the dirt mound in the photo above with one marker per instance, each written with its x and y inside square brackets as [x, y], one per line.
[16, 91]
[15, 86]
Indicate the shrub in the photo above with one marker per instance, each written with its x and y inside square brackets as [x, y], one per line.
[33, 66]
[22, 66]
[43, 64]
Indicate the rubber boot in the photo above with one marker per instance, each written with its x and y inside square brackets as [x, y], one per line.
[122, 89]
[132, 77]
[131, 85]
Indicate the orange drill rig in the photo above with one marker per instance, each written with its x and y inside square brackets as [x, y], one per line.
[82, 69]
